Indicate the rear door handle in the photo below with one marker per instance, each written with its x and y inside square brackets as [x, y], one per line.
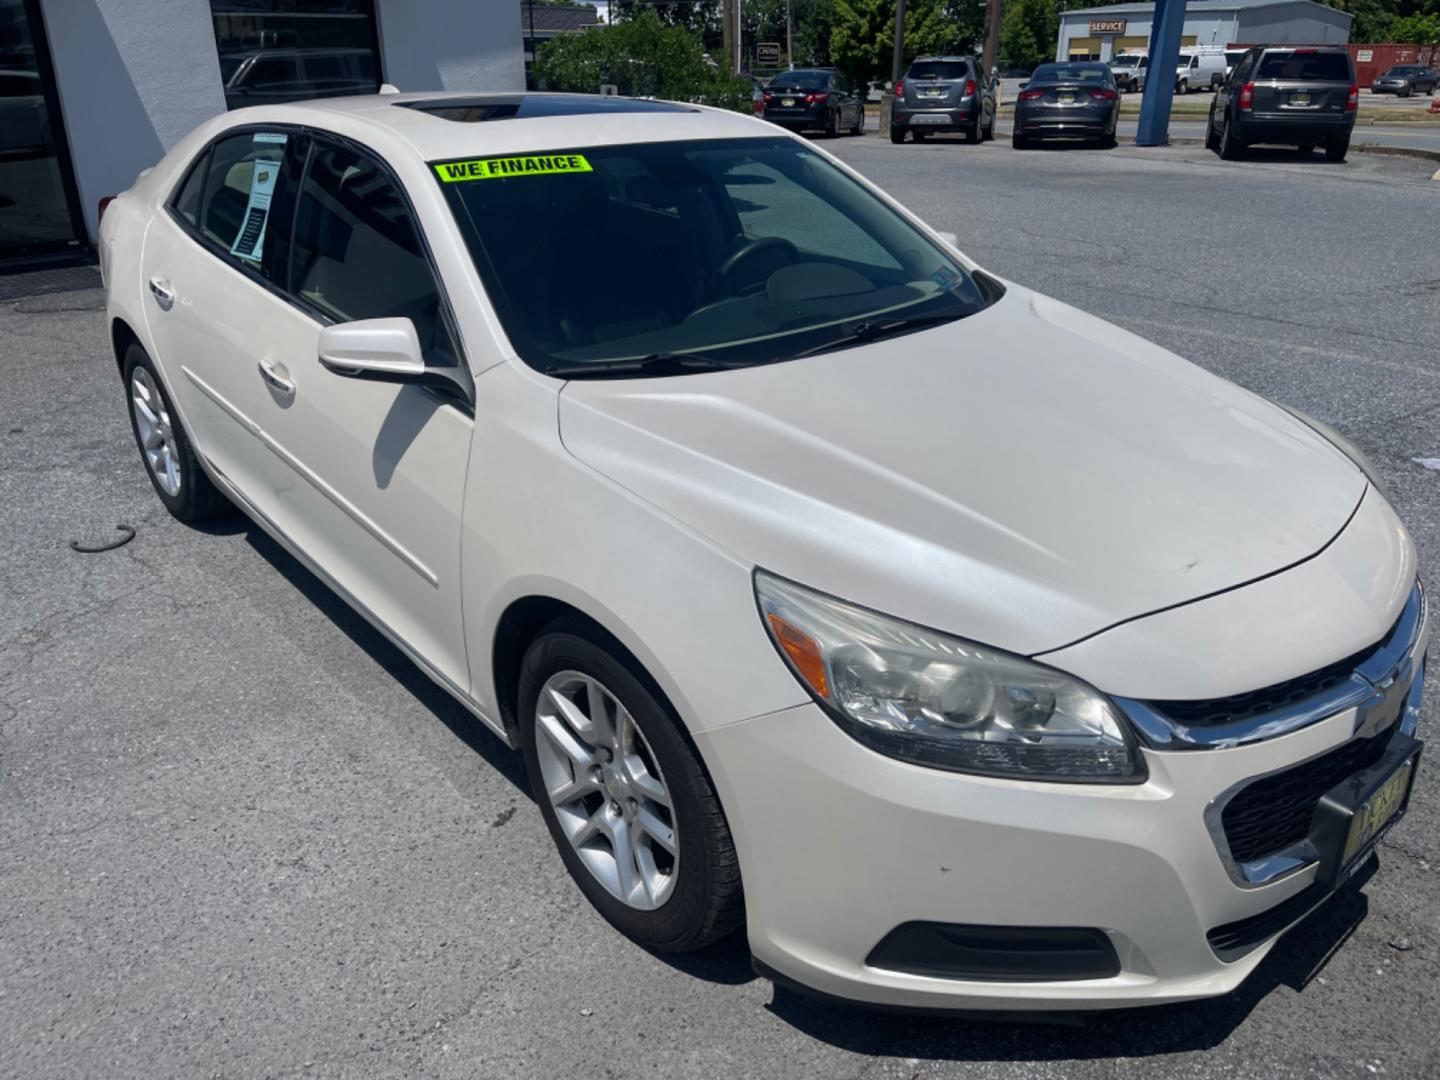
[164, 294]
[275, 379]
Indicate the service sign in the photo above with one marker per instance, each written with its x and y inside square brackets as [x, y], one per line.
[1107, 26]
[767, 52]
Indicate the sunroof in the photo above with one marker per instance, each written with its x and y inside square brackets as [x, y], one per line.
[523, 106]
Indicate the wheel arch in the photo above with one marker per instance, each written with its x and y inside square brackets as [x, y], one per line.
[523, 620]
[122, 336]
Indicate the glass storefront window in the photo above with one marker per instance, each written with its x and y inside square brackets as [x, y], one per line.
[35, 211]
[288, 50]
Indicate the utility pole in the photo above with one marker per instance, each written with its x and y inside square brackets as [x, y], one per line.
[727, 31]
[789, 35]
[992, 36]
[897, 66]
[739, 34]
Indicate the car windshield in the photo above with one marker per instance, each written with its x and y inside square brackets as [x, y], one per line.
[1125, 61]
[938, 69]
[1403, 71]
[737, 252]
[1184, 61]
[1054, 73]
[1313, 66]
[800, 80]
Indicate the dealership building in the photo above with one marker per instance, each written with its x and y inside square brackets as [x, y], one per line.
[1102, 32]
[93, 91]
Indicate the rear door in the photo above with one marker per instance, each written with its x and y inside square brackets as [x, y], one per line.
[1300, 83]
[212, 303]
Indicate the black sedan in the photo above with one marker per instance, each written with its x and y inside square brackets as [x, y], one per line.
[813, 99]
[1067, 101]
[1406, 79]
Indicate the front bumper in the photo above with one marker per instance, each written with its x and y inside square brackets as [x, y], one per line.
[839, 846]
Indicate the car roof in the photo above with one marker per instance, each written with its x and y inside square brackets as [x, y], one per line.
[439, 126]
[946, 59]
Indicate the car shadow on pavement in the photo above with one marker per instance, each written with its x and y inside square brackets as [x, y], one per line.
[468, 728]
[1296, 960]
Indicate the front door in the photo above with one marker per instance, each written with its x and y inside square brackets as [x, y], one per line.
[374, 473]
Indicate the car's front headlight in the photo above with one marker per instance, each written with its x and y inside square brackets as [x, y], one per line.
[936, 700]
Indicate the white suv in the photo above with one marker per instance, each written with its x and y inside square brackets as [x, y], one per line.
[971, 651]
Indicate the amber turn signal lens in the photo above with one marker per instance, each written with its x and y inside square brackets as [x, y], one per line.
[803, 652]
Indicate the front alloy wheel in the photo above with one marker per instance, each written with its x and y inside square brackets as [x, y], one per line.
[607, 790]
[624, 793]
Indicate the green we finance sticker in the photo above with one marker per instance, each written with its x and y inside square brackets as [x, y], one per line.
[499, 168]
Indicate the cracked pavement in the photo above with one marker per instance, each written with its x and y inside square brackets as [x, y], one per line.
[241, 836]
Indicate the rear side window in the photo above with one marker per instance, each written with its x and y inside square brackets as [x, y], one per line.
[241, 181]
[938, 69]
[356, 252]
[187, 199]
[1317, 66]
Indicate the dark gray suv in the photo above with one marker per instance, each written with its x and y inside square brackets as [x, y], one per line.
[1295, 95]
[943, 93]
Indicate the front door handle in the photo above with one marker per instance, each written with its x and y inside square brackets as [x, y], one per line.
[274, 379]
[164, 294]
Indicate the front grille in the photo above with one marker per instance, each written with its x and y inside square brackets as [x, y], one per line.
[1214, 712]
[1275, 811]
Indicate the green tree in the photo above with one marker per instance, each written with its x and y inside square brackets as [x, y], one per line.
[1029, 30]
[862, 41]
[643, 57]
[1416, 29]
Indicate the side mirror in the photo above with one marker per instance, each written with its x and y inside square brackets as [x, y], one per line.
[386, 349]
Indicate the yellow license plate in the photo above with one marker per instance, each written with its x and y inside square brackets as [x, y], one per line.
[787, 102]
[1377, 811]
[1065, 99]
[1299, 99]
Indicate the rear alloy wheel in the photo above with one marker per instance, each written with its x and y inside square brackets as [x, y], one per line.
[1336, 149]
[170, 460]
[1231, 148]
[623, 793]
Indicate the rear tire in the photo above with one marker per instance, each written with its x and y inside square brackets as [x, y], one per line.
[674, 903]
[1109, 142]
[859, 128]
[972, 131]
[897, 135]
[1336, 149]
[1307, 148]
[919, 136]
[832, 124]
[1018, 141]
[1212, 141]
[1231, 148]
[165, 448]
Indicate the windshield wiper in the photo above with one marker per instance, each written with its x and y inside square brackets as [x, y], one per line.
[660, 363]
[857, 333]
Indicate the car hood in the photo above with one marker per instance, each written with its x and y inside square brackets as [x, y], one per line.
[1024, 477]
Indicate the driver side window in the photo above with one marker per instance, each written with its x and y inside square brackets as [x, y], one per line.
[769, 205]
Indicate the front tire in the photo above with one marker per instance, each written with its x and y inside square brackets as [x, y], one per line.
[165, 448]
[624, 794]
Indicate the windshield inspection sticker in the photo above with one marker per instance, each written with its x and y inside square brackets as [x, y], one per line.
[251, 238]
[490, 168]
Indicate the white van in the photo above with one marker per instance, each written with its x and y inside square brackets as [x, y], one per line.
[1199, 69]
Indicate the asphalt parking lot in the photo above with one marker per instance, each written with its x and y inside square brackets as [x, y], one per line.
[241, 836]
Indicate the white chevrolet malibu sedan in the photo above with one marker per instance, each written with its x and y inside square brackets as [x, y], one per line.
[970, 651]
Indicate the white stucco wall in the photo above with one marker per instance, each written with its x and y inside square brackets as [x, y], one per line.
[451, 44]
[134, 76]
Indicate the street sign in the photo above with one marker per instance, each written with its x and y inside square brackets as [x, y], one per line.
[767, 53]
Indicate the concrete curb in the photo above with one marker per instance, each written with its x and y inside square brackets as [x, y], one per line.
[1359, 148]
